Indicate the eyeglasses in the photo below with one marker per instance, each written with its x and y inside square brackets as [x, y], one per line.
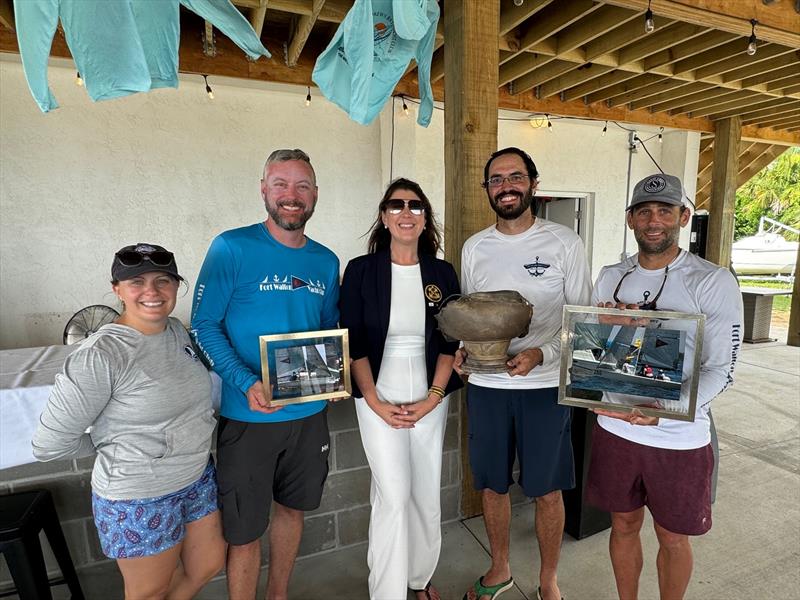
[646, 304]
[497, 180]
[131, 258]
[395, 206]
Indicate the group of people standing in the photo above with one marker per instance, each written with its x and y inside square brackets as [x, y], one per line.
[138, 394]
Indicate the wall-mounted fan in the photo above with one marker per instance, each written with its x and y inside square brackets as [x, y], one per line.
[86, 321]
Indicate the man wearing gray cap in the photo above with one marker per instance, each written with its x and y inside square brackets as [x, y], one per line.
[663, 464]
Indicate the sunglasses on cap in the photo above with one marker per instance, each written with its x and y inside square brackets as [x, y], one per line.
[131, 258]
[395, 206]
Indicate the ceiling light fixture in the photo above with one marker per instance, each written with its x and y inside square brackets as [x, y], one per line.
[649, 24]
[752, 43]
[209, 91]
[308, 97]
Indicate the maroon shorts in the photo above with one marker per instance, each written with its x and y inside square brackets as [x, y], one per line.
[674, 484]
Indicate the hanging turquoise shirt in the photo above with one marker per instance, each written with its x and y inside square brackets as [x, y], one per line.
[120, 47]
[370, 52]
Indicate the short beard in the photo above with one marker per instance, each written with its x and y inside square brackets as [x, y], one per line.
[510, 213]
[646, 247]
[301, 221]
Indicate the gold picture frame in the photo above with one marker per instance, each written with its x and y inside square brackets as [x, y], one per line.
[306, 366]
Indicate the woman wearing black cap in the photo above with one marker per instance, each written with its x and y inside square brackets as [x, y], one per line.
[141, 391]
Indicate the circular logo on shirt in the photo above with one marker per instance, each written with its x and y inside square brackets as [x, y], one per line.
[433, 293]
[655, 184]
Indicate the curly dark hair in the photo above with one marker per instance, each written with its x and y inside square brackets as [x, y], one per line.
[430, 242]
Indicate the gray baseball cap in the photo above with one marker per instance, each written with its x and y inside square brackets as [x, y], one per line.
[658, 188]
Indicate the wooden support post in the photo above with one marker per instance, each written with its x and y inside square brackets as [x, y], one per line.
[793, 339]
[723, 190]
[470, 119]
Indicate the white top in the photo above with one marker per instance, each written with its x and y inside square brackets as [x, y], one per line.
[547, 265]
[407, 315]
[693, 285]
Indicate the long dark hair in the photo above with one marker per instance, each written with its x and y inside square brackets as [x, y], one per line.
[430, 241]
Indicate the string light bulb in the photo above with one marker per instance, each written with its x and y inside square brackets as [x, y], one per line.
[661, 136]
[519, 2]
[405, 106]
[78, 79]
[549, 124]
[649, 24]
[752, 43]
[209, 91]
[308, 97]
[605, 129]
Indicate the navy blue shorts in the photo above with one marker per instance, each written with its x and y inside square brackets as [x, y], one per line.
[529, 423]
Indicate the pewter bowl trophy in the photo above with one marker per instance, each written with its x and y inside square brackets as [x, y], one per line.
[486, 322]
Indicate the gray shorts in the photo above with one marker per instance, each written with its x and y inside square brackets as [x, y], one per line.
[257, 463]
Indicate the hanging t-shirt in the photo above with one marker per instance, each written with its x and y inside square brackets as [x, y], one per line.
[120, 47]
[371, 51]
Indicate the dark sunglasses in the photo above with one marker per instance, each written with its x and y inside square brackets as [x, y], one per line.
[647, 304]
[396, 206]
[131, 258]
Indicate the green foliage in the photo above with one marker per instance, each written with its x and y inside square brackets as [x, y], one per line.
[773, 192]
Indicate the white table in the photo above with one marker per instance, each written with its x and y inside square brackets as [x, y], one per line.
[26, 378]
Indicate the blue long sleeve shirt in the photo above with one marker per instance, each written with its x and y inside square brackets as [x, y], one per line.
[251, 285]
[120, 47]
[370, 52]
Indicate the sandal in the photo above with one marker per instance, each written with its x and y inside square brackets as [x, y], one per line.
[539, 594]
[493, 591]
[426, 590]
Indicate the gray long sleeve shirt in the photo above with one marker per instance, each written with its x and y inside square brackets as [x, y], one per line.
[147, 399]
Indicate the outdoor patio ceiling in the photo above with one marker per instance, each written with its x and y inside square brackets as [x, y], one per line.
[566, 57]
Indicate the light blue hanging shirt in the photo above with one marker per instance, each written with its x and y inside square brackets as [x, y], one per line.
[370, 52]
[120, 47]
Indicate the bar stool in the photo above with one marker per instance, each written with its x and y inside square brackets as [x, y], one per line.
[22, 517]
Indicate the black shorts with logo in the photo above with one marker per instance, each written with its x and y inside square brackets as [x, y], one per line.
[285, 461]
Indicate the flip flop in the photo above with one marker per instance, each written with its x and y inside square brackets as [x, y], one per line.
[493, 591]
[539, 594]
[425, 590]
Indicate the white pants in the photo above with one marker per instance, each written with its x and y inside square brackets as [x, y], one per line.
[405, 534]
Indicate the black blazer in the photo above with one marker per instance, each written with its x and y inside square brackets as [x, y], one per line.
[365, 302]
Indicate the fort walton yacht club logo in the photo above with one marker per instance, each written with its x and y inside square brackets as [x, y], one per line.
[291, 283]
[536, 269]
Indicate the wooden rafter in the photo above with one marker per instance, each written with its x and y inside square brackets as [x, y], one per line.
[7, 14]
[678, 94]
[646, 91]
[703, 43]
[772, 75]
[257, 16]
[303, 29]
[733, 103]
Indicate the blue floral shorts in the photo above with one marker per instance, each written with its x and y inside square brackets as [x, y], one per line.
[147, 526]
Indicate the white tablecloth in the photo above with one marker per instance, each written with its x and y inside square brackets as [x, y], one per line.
[26, 378]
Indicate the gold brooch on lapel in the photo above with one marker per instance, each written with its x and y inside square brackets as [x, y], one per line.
[433, 293]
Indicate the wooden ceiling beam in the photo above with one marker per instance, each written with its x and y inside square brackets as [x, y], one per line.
[512, 16]
[749, 155]
[779, 107]
[334, 11]
[553, 19]
[656, 41]
[734, 104]
[779, 123]
[781, 85]
[708, 57]
[621, 88]
[794, 91]
[778, 23]
[597, 24]
[766, 157]
[595, 84]
[7, 15]
[303, 29]
[758, 68]
[530, 80]
[764, 104]
[769, 76]
[620, 37]
[646, 91]
[703, 43]
[568, 80]
[710, 100]
[674, 94]
[521, 64]
[764, 55]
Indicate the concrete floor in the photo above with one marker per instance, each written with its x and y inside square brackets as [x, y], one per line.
[752, 551]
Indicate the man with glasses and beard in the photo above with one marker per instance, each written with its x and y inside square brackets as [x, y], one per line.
[518, 411]
[266, 278]
[663, 464]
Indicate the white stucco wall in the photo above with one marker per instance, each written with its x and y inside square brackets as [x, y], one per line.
[176, 168]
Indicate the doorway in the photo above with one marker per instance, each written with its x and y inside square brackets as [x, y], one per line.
[571, 209]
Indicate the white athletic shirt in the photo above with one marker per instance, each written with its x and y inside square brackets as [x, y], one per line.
[547, 265]
[693, 285]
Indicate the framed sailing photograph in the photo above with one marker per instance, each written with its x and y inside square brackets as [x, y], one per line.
[306, 366]
[631, 360]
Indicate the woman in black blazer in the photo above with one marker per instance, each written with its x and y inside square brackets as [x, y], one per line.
[402, 374]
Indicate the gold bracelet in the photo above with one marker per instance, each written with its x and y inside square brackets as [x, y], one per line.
[437, 391]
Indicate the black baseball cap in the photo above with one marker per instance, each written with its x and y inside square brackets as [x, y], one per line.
[131, 261]
[663, 188]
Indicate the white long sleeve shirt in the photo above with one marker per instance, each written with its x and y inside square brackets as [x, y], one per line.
[547, 265]
[693, 285]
